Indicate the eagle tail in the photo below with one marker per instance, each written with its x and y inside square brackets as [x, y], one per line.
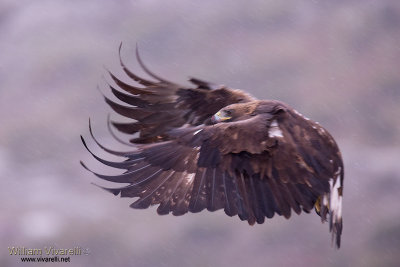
[331, 204]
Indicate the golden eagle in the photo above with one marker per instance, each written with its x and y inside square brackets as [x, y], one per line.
[212, 147]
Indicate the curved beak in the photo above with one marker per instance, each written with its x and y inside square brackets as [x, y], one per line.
[216, 118]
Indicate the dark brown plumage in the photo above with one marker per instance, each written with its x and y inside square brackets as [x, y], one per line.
[212, 147]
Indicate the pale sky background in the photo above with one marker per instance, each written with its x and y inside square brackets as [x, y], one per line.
[337, 62]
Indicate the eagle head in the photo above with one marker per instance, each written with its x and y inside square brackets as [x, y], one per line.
[235, 112]
[223, 115]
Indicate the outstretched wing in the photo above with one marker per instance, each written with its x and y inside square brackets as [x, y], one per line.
[253, 168]
[159, 106]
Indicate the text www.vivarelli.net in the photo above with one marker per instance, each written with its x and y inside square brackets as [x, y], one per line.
[46, 259]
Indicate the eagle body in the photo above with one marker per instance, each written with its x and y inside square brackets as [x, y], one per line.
[212, 147]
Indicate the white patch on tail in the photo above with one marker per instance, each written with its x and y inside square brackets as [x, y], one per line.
[274, 130]
[335, 200]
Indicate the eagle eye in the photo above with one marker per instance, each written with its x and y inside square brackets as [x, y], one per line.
[228, 112]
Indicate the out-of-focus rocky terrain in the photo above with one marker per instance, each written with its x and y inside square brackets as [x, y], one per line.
[337, 62]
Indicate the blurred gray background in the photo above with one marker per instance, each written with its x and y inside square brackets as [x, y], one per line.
[337, 62]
